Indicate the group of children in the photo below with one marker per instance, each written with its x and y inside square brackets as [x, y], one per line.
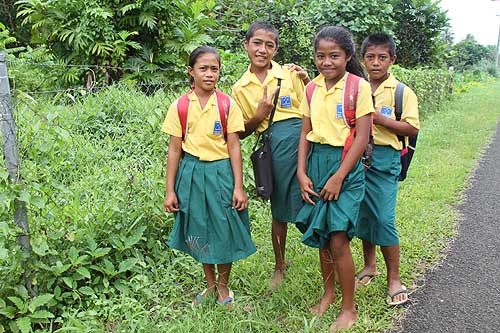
[319, 133]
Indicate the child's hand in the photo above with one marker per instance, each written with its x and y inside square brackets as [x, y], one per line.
[306, 188]
[265, 105]
[240, 199]
[170, 204]
[331, 191]
[301, 72]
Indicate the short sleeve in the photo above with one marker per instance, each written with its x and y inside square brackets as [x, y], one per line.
[364, 104]
[410, 108]
[304, 106]
[172, 123]
[235, 123]
[298, 86]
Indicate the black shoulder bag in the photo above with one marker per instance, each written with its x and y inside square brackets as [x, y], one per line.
[261, 158]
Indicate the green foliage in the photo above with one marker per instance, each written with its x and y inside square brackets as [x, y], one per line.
[433, 87]
[469, 52]
[5, 37]
[422, 30]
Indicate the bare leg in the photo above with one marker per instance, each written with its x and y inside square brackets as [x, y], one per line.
[222, 284]
[209, 271]
[278, 234]
[339, 245]
[370, 268]
[328, 273]
[391, 257]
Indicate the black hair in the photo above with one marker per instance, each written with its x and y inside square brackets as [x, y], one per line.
[344, 39]
[257, 25]
[379, 39]
[198, 52]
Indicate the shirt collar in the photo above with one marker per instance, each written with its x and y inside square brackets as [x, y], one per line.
[276, 71]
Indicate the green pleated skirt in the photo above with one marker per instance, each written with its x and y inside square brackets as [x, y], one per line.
[286, 199]
[317, 222]
[206, 226]
[378, 208]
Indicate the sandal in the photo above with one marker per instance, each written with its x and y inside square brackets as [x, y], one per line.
[365, 279]
[390, 297]
[200, 298]
[228, 301]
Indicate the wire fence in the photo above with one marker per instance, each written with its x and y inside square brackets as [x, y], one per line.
[92, 156]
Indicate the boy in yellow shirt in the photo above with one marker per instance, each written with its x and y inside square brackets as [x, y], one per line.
[254, 92]
[377, 212]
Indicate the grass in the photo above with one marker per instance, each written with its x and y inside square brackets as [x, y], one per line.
[118, 188]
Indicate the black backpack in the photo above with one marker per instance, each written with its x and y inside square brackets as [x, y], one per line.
[407, 151]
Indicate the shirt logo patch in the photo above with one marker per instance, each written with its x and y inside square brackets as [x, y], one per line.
[386, 111]
[339, 114]
[217, 127]
[286, 101]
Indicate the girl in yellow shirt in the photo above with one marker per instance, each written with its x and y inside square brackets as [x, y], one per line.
[204, 182]
[332, 186]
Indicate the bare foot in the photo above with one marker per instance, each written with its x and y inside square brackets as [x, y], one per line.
[277, 279]
[397, 294]
[323, 305]
[345, 321]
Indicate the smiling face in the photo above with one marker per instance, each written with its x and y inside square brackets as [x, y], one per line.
[331, 61]
[205, 72]
[377, 60]
[261, 48]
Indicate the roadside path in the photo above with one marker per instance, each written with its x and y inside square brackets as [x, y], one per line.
[463, 293]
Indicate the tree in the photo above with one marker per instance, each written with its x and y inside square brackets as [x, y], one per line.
[469, 52]
[422, 30]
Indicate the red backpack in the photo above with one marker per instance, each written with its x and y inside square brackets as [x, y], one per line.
[350, 96]
[223, 105]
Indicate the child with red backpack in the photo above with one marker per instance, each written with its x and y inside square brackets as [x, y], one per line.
[204, 181]
[335, 131]
[396, 119]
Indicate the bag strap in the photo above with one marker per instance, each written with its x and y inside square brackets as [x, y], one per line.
[350, 99]
[275, 104]
[398, 100]
[398, 107]
[310, 89]
[223, 106]
[182, 111]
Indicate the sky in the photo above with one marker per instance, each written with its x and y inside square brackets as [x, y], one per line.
[475, 17]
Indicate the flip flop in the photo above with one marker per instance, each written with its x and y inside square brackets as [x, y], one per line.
[228, 301]
[200, 298]
[365, 279]
[390, 297]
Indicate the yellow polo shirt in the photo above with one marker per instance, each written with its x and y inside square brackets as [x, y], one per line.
[204, 137]
[385, 103]
[328, 126]
[248, 90]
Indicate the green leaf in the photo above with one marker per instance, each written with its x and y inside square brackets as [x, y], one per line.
[18, 303]
[68, 281]
[4, 254]
[42, 314]
[40, 247]
[84, 272]
[24, 196]
[9, 312]
[127, 265]
[86, 291]
[39, 301]
[100, 252]
[24, 324]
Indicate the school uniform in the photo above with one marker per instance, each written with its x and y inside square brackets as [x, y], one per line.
[378, 208]
[287, 122]
[206, 226]
[327, 137]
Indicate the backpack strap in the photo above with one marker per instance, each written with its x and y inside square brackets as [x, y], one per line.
[182, 111]
[223, 106]
[350, 99]
[398, 110]
[310, 89]
[398, 100]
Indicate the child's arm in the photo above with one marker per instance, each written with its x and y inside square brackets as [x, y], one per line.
[264, 108]
[306, 185]
[331, 191]
[174, 155]
[240, 199]
[301, 72]
[397, 127]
